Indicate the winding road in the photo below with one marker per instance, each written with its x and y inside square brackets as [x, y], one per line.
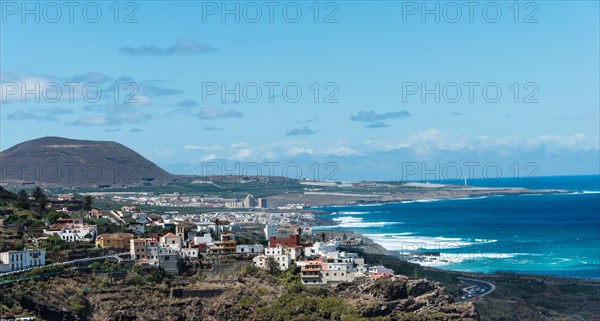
[474, 287]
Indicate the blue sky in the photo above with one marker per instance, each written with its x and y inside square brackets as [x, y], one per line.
[370, 60]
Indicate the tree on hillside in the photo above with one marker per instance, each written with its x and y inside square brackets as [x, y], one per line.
[88, 201]
[40, 199]
[23, 200]
[37, 193]
[272, 265]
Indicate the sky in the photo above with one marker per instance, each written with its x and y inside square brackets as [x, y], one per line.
[386, 90]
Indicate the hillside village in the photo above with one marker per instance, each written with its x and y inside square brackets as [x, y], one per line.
[166, 241]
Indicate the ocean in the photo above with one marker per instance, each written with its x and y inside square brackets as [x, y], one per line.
[556, 234]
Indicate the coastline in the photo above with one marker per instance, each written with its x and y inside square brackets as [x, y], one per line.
[431, 260]
[404, 193]
[372, 248]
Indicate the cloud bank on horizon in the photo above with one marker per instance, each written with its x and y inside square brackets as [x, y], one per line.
[203, 87]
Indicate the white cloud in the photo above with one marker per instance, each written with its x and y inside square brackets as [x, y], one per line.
[425, 145]
[202, 148]
[555, 144]
[243, 154]
[299, 150]
[433, 141]
[90, 121]
[238, 145]
[208, 157]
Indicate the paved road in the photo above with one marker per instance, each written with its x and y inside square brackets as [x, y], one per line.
[474, 287]
[118, 257]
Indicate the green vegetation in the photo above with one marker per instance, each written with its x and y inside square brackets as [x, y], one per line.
[304, 306]
[88, 202]
[517, 297]
[23, 200]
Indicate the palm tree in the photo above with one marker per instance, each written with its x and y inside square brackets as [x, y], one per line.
[40, 198]
[88, 200]
[23, 200]
[38, 193]
[217, 222]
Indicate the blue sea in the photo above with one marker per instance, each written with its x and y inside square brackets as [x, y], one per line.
[556, 234]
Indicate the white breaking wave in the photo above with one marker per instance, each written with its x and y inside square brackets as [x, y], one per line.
[352, 221]
[468, 198]
[347, 219]
[351, 213]
[411, 243]
[591, 192]
[454, 258]
[446, 199]
[388, 234]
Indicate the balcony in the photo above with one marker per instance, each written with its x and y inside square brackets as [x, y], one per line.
[312, 269]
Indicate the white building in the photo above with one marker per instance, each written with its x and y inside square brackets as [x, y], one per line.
[72, 230]
[380, 269]
[148, 252]
[170, 241]
[253, 248]
[294, 253]
[210, 226]
[191, 252]
[270, 230]
[284, 261]
[20, 260]
[284, 256]
[321, 249]
[206, 239]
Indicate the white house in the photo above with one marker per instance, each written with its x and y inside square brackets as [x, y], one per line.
[206, 239]
[170, 241]
[191, 252]
[72, 230]
[293, 252]
[19, 260]
[320, 249]
[283, 260]
[252, 248]
[380, 269]
[284, 256]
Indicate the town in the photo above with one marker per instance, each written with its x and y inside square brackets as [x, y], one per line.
[271, 240]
